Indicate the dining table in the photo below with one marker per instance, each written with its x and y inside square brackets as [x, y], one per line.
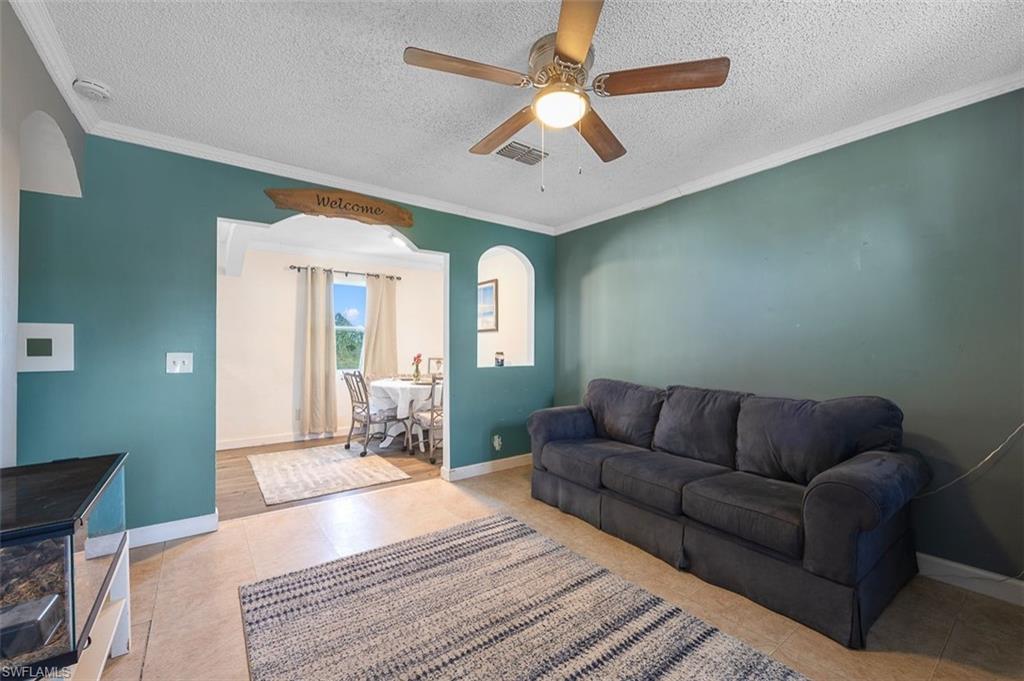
[405, 395]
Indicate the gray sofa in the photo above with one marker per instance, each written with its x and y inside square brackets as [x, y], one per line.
[799, 505]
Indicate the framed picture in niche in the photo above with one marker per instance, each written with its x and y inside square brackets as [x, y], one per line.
[487, 306]
[46, 347]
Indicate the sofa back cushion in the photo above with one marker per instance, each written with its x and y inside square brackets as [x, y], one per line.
[623, 411]
[796, 440]
[699, 424]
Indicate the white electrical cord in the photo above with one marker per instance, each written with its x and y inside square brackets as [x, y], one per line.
[957, 479]
[976, 467]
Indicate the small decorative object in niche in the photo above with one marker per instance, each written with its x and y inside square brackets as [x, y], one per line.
[499, 359]
[46, 347]
[487, 305]
[435, 366]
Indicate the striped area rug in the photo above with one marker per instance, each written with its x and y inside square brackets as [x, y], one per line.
[488, 599]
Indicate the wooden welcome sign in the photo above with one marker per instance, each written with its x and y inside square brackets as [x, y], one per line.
[338, 203]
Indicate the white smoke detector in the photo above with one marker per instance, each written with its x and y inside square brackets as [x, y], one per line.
[91, 89]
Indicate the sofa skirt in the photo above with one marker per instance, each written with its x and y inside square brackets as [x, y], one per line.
[842, 612]
[654, 532]
[568, 496]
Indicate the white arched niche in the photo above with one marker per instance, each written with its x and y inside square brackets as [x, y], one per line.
[509, 272]
[47, 165]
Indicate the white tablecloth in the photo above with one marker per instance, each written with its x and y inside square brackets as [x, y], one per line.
[391, 392]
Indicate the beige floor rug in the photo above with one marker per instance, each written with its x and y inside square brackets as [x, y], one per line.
[305, 473]
[491, 600]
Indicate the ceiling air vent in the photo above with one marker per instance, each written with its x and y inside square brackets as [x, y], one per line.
[517, 151]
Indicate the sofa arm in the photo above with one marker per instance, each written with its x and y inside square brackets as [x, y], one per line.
[558, 423]
[848, 508]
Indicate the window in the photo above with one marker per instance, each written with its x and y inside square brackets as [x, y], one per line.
[349, 324]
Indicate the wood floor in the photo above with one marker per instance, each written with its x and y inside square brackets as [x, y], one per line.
[238, 493]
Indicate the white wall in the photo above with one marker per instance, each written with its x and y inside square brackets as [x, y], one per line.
[258, 358]
[25, 86]
[515, 323]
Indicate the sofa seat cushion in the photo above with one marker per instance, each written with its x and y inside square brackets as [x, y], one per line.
[760, 510]
[580, 461]
[655, 479]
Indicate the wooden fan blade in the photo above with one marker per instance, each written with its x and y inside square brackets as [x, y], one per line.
[577, 22]
[685, 76]
[500, 134]
[600, 137]
[463, 67]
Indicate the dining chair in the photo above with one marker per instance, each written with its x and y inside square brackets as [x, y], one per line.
[361, 413]
[431, 419]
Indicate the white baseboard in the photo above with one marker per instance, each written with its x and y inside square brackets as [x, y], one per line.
[971, 578]
[463, 472]
[175, 529]
[276, 439]
[152, 534]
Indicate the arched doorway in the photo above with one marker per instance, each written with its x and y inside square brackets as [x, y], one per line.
[261, 347]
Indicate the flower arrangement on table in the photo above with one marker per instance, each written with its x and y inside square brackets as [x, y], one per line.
[417, 359]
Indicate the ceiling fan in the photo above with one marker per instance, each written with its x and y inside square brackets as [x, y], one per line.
[558, 67]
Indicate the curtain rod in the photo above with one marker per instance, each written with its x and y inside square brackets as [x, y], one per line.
[346, 272]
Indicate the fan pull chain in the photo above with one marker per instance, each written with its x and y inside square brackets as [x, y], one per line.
[542, 154]
[579, 162]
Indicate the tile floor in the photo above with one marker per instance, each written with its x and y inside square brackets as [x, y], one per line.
[187, 622]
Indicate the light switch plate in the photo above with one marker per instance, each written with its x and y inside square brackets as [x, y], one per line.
[179, 362]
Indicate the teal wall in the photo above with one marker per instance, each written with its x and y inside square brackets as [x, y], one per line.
[890, 266]
[132, 265]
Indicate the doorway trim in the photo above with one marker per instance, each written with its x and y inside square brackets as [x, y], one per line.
[233, 256]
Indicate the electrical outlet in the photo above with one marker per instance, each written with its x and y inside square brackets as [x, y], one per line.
[179, 362]
[496, 441]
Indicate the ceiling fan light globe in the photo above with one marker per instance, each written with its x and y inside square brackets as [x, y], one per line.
[560, 105]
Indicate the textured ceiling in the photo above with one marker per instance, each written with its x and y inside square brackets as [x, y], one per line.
[322, 86]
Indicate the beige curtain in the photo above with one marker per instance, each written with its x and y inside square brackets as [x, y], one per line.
[380, 344]
[319, 377]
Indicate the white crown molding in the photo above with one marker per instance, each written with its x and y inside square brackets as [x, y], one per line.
[208, 152]
[41, 31]
[39, 26]
[35, 17]
[896, 119]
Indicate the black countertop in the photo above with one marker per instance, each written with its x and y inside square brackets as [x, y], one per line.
[50, 497]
